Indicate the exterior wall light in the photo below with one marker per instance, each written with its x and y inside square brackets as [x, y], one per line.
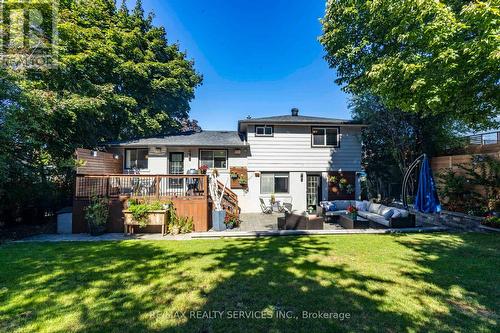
[93, 153]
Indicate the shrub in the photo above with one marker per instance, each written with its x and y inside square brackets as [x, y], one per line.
[492, 221]
[96, 215]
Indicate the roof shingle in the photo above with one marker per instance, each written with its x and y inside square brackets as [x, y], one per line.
[198, 139]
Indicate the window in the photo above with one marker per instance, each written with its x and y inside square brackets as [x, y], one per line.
[273, 183]
[264, 130]
[214, 158]
[325, 136]
[136, 158]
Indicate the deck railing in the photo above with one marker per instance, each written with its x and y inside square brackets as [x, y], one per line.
[229, 201]
[491, 138]
[142, 186]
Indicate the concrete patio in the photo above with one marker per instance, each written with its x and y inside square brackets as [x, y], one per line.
[269, 222]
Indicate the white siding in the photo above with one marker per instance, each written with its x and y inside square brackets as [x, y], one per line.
[290, 150]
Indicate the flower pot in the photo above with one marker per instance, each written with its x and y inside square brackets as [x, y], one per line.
[218, 218]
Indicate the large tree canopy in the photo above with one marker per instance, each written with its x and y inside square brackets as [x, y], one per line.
[393, 139]
[116, 78]
[428, 57]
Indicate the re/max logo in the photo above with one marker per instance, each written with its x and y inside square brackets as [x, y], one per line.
[28, 29]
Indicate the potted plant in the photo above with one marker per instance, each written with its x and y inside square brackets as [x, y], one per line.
[353, 212]
[273, 199]
[218, 214]
[242, 181]
[203, 169]
[96, 215]
[343, 183]
[232, 222]
[234, 175]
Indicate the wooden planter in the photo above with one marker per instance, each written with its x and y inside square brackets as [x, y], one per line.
[155, 217]
[241, 173]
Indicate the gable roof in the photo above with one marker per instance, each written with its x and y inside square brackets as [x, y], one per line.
[198, 139]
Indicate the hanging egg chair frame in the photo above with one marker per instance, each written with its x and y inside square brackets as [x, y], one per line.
[407, 177]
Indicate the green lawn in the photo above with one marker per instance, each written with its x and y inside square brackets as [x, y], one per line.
[395, 283]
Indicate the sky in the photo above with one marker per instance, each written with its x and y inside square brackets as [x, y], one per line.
[258, 58]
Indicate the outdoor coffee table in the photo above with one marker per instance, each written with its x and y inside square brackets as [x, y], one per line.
[347, 222]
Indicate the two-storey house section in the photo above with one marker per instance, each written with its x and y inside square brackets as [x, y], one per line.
[301, 159]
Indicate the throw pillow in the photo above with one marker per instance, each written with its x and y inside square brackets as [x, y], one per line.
[386, 212]
[332, 207]
[396, 213]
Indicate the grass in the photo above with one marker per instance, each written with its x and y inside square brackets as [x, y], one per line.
[397, 283]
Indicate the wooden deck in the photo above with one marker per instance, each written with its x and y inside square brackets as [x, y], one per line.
[188, 193]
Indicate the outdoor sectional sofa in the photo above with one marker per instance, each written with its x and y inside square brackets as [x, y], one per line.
[390, 217]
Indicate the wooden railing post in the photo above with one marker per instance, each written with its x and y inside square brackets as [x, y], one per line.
[157, 187]
[205, 185]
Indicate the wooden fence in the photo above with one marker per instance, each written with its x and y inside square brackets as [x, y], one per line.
[188, 193]
[91, 162]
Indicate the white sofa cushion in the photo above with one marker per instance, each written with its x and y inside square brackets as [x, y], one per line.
[364, 214]
[374, 208]
[360, 205]
[380, 219]
[375, 218]
[336, 213]
[398, 212]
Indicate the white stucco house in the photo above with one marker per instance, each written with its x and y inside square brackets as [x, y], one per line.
[298, 159]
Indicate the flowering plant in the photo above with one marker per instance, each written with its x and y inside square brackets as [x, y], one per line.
[492, 221]
[352, 210]
[203, 168]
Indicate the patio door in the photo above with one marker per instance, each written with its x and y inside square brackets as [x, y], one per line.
[313, 192]
[176, 167]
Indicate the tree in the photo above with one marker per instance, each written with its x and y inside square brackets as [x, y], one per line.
[427, 57]
[391, 141]
[117, 77]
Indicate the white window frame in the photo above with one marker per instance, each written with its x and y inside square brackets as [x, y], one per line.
[325, 128]
[276, 175]
[271, 127]
[200, 162]
[128, 167]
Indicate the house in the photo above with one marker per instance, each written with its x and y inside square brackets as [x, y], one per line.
[299, 159]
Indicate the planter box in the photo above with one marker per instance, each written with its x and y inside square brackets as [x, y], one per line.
[155, 217]
[218, 218]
